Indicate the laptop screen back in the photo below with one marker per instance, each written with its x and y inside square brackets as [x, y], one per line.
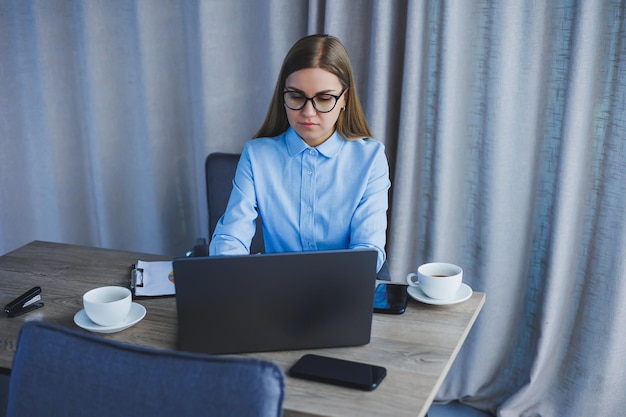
[280, 301]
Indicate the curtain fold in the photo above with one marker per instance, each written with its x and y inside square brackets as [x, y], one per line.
[504, 124]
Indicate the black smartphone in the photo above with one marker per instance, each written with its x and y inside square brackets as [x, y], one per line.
[338, 372]
[390, 298]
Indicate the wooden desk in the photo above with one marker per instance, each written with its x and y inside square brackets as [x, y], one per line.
[417, 347]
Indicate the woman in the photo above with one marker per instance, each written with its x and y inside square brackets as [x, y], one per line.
[312, 173]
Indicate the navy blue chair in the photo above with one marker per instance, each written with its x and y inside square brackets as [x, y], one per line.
[219, 171]
[63, 372]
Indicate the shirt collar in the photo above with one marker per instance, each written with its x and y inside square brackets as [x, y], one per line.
[329, 148]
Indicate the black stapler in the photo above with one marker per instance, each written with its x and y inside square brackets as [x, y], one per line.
[29, 301]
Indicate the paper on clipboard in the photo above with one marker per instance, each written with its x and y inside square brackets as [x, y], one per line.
[153, 279]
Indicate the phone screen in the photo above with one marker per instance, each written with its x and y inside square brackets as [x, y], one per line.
[338, 372]
[390, 298]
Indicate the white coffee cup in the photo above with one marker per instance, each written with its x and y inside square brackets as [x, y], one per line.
[438, 280]
[107, 306]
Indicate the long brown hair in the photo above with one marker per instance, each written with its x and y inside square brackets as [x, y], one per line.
[325, 52]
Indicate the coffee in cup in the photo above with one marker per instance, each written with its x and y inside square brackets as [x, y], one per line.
[107, 306]
[437, 280]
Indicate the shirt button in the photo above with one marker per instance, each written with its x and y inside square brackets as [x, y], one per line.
[309, 172]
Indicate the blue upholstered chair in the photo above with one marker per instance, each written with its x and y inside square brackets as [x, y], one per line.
[219, 169]
[64, 372]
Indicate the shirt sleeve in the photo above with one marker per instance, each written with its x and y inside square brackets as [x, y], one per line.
[235, 229]
[369, 223]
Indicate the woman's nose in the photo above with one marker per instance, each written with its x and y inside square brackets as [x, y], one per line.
[308, 109]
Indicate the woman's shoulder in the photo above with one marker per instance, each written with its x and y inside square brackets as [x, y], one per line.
[369, 145]
[264, 147]
[368, 149]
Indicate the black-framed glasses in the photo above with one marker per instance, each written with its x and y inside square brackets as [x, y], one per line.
[322, 102]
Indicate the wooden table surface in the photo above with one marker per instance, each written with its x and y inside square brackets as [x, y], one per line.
[417, 347]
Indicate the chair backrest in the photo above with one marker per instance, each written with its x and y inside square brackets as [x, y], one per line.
[63, 372]
[219, 171]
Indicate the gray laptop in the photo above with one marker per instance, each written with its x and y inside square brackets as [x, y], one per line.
[279, 301]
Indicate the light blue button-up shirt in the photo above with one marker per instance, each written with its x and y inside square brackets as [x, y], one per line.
[333, 196]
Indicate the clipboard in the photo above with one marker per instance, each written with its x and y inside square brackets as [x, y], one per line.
[152, 279]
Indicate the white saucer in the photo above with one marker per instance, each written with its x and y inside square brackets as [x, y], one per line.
[137, 312]
[462, 294]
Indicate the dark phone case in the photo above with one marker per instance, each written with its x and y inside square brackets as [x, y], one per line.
[341, 372]
[390, 298]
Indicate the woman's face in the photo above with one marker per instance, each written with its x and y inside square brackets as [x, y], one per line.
[313, 126]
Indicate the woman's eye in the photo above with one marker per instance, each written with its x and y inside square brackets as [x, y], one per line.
[324, 97]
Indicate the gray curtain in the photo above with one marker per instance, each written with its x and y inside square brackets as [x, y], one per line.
[505, 130]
